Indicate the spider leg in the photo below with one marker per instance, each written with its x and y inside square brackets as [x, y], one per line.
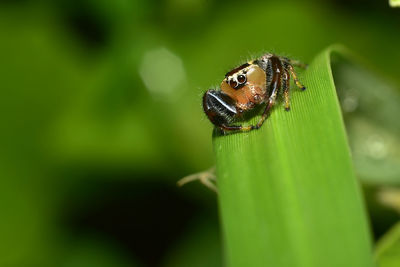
[264, 116]
[229, 128]
[297, 63]
[286, 88]
[296, 80]
[275, 85]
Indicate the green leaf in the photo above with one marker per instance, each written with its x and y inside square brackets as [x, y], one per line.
[288, 193]
[387, 251]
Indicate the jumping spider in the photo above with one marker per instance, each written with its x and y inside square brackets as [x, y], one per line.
[253, 83]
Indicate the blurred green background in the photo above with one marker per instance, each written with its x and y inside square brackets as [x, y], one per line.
[101, 112]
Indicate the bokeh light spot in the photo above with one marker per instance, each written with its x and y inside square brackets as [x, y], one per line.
[162, 72]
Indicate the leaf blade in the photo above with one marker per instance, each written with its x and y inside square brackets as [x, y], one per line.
[277, 184]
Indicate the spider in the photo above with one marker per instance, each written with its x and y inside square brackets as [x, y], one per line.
[247, 86]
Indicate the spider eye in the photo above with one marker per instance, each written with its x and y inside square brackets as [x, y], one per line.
[233, 83]
[241, 78]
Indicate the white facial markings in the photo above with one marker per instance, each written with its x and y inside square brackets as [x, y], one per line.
[243, 72]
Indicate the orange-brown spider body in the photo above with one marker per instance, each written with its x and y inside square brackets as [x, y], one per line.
[253, 83]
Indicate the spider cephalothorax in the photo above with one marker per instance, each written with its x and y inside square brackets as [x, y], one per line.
[251, 84]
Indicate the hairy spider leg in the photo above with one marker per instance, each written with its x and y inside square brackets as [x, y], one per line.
[236, 128]
[296, 80]
[286, 88]
[297, 63]
[275, 85]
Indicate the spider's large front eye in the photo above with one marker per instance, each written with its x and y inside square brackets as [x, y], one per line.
[233, 83]
[241, 78]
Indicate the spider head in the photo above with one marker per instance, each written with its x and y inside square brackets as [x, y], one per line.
[246, 85]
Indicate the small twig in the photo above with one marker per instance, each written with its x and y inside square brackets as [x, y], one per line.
[206, 177]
